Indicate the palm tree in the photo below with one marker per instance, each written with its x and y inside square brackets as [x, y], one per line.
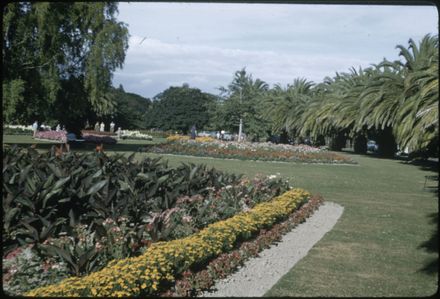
[380, 101]
[417, 117]
[285, 106]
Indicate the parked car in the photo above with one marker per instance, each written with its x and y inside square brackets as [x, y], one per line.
[372, 146]
[206, 134]
[228, 136]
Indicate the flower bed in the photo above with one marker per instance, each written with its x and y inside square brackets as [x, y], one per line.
[173, 138]
[96, 133]
[136, 135]
[60, 136]
[163, 261]
[192, 283]
[90, 209]
[209, 147]
[17, 130]
[98, 137]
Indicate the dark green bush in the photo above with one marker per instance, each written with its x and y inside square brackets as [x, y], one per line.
[46, 198]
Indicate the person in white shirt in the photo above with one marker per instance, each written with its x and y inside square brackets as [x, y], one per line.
[35, 127]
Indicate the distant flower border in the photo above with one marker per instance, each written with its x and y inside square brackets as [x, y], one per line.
[209, 147]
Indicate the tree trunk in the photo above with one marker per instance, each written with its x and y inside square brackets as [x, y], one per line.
[284, 137]
[387, 143]
[338, 141]
[360, 144]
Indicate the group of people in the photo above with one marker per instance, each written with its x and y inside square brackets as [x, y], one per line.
[43, 127]
[100, 127]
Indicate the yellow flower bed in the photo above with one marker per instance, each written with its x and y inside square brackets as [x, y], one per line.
[177, 138]
[163, 260]
[205, 139]
[184, 138]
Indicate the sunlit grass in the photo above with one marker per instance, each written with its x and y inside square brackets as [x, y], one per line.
[377, 246]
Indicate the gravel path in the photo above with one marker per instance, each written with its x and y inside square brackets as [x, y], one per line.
[259, 274]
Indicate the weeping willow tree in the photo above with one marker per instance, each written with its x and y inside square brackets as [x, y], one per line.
[58, 60]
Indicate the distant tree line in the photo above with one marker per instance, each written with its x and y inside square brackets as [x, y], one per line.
[59, 57]
[393, 102]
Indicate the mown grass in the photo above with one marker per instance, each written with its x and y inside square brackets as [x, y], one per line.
[384, 244]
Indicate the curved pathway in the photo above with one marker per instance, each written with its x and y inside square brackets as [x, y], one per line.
[259, 274]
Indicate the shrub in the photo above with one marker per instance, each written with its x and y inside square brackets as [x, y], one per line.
[90, 209]
[24, 269]
[17, 130]
[161, 262]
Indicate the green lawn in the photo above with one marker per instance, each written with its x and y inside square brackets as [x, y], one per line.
[122, 145]
[385, 243]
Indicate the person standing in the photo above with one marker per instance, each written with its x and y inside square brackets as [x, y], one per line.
[193, 132]
[102, 127]
[58, 128]
[35, 127]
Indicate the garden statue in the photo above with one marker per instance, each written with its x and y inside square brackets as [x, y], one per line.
[58, 128]
[193, 132]
[97, 126]
[119, 132]
[102, 126]
[112, 127]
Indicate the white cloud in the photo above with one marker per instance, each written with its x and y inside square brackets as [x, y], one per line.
[199, 64]
[204, 44]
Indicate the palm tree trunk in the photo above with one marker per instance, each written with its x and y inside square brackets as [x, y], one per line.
[338, 141]
[360, 144]
[387, 143]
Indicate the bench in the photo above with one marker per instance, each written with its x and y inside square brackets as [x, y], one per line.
[431, 178]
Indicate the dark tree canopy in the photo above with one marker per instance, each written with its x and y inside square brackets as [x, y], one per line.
[131, 109]
[179, 108]
[58, 59]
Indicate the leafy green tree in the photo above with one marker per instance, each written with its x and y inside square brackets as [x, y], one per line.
[131, 109]
[241, 105]
[56, 48]
[179, 108]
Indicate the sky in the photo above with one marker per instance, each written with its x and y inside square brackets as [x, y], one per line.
[204, 44]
